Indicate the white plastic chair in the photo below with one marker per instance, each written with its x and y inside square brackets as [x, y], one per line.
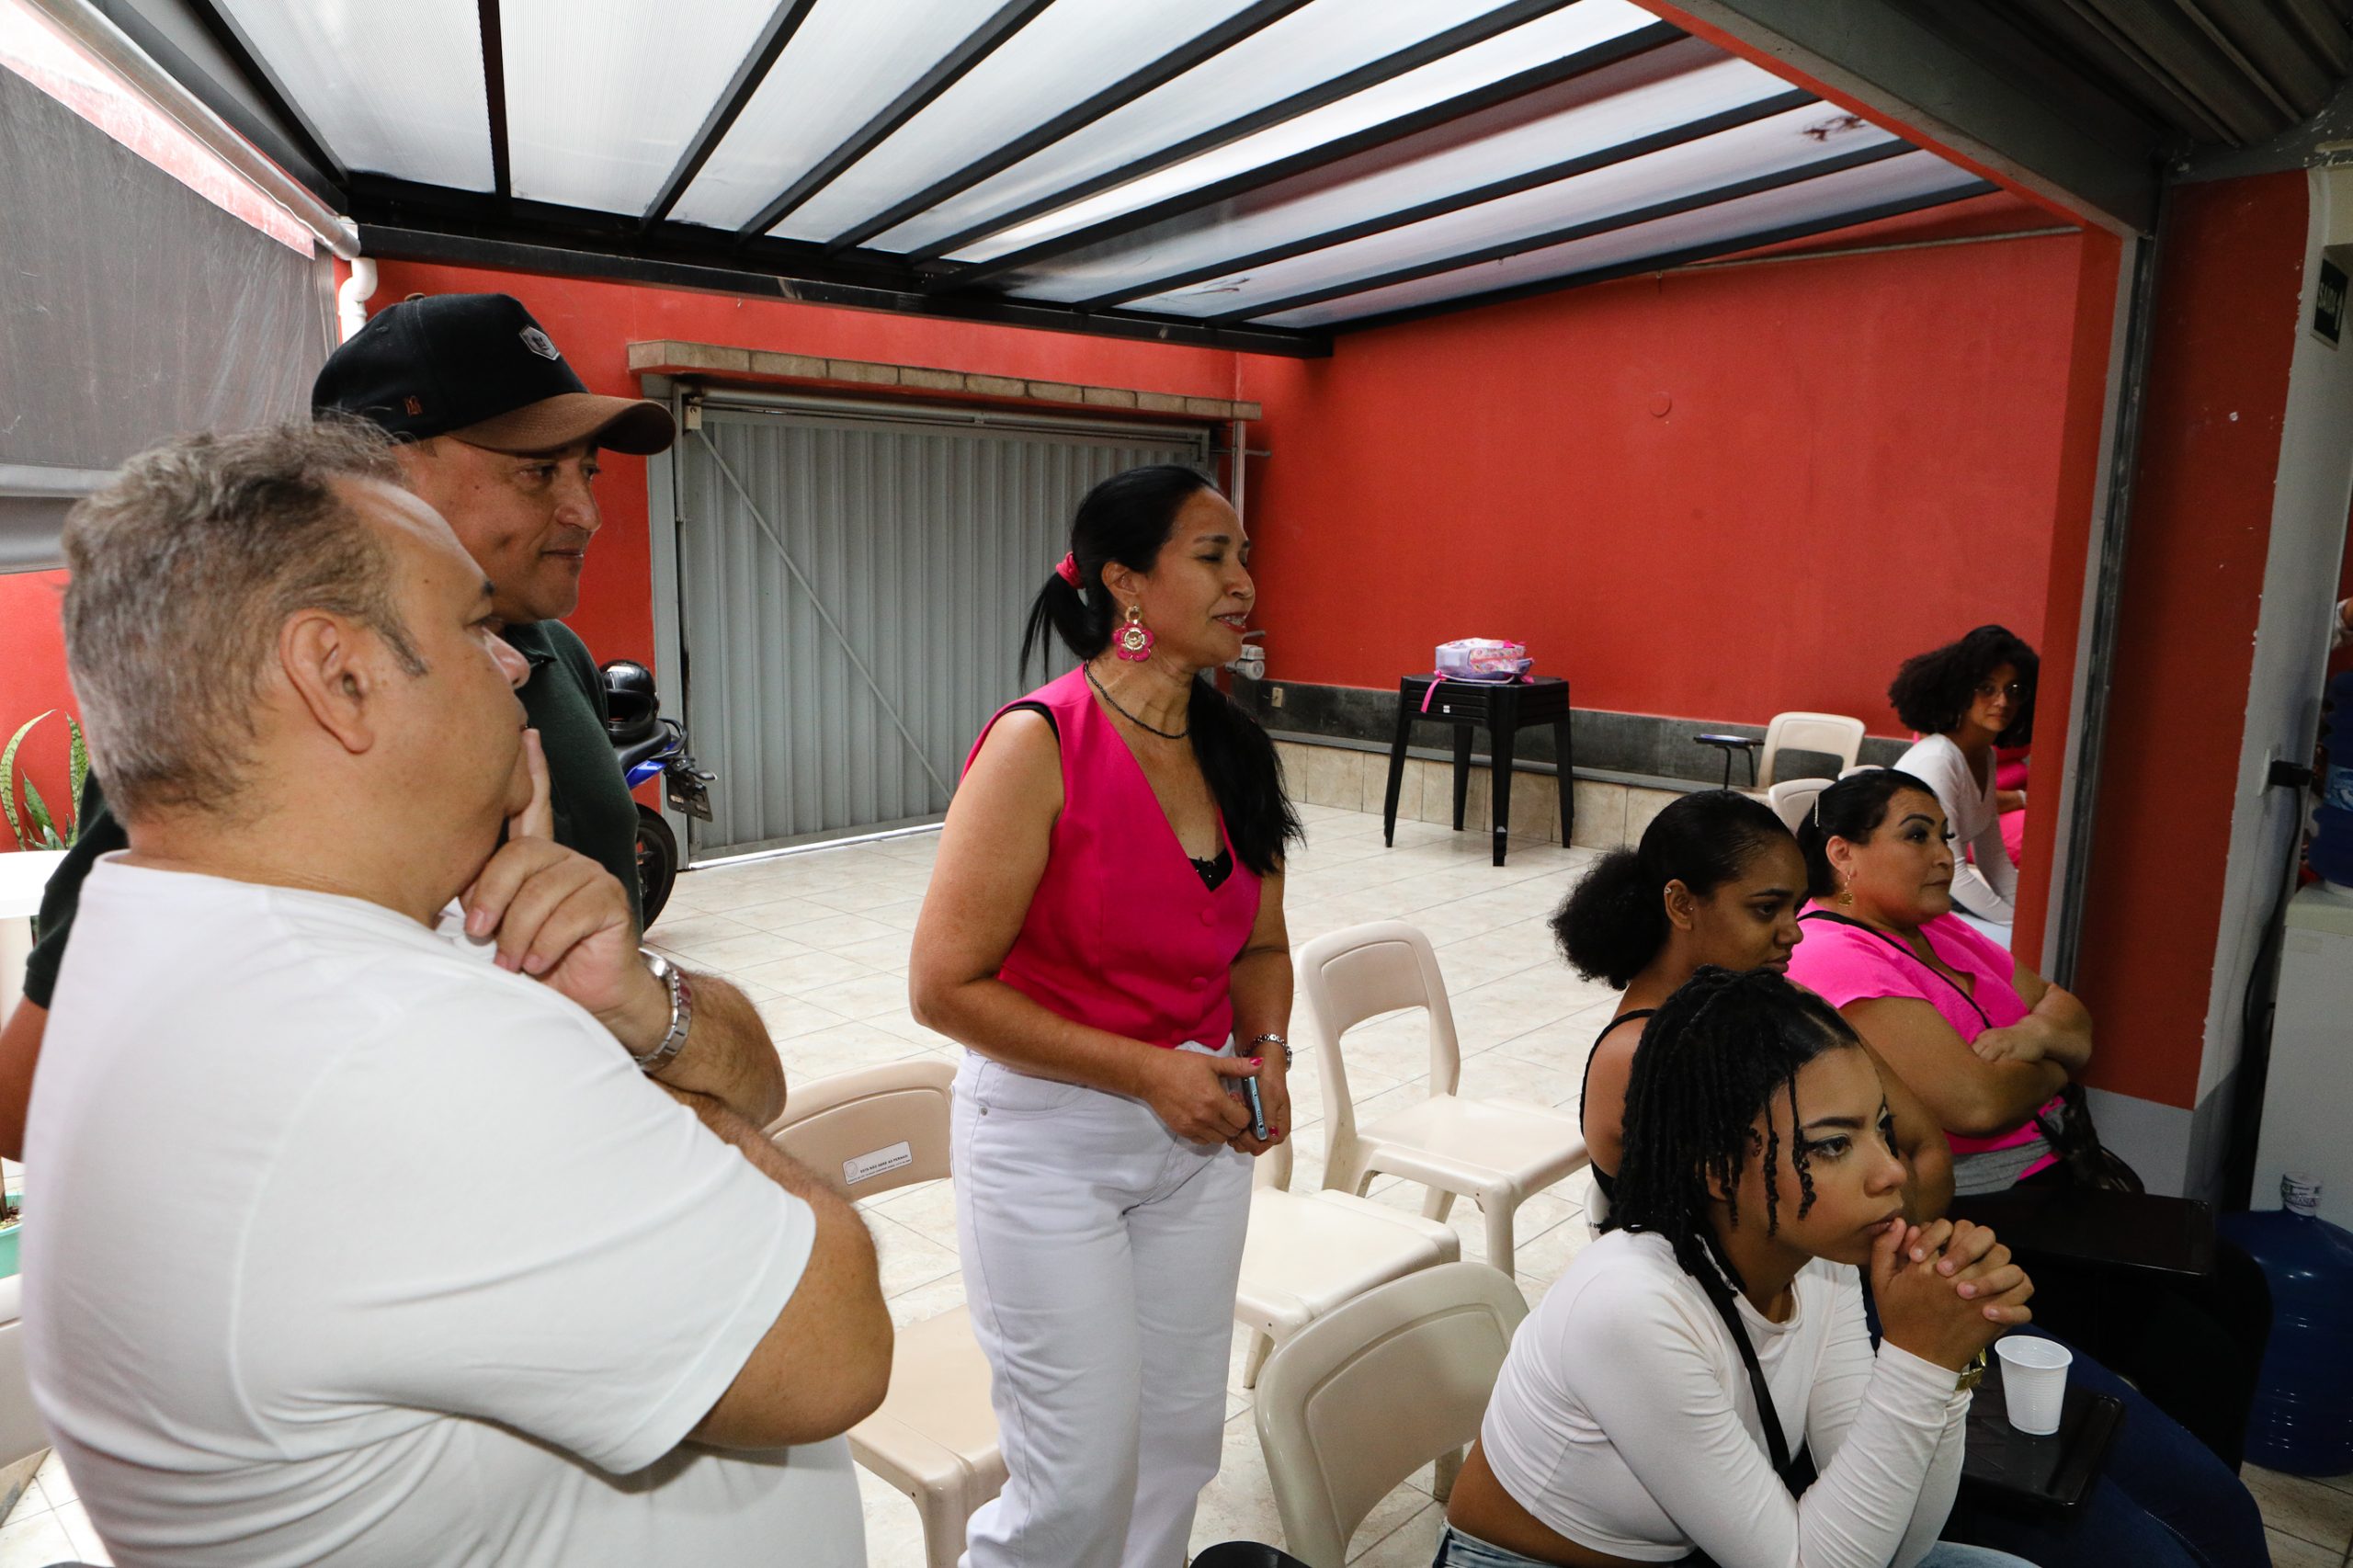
[1793, 799]
[1496, 1153]
[1834, 733]
[1307, 1253]
[935, 1437]
[1374, 1389]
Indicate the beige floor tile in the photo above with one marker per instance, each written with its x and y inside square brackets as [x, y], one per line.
[2287, 1552]
[803, 972]
[780, 914]
[57, 1486]
[907, 1260]
[790, 1017]
[36, 1541]
[926, 1302]
[842, 1048]
[838, 932]
[873, 994]
[1410, 1545]
[724, 955]
[891, 951]
[83, 1534]
[2305, 1509]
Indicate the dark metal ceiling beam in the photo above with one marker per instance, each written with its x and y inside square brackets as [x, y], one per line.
[1119, 94]
[274, 132]
[1536, 79]
[1658, 142]
[1671, 259]
[262, 81]
[2171, 47]
[1503, 251]
[754, 70]
[400, 219]
[494, 87]
[1874, 54]
[1009, 20]
[2088, 51]
[1502, 18]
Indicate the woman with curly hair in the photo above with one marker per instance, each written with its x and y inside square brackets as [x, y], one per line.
[1964, 700]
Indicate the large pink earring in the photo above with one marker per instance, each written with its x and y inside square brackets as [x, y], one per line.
[1135, 639]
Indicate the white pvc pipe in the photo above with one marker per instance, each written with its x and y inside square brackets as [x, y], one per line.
[352, 296]
[82, 22]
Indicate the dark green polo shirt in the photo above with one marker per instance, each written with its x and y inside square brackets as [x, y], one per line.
[566, 699]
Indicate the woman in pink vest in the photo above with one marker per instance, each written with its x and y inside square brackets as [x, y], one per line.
[1104, 932]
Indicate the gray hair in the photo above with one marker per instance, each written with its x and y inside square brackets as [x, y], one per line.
[184, 570]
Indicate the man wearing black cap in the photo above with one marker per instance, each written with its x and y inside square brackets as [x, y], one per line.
[499, 436]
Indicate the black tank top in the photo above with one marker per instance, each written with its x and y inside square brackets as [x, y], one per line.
[1601, 1178]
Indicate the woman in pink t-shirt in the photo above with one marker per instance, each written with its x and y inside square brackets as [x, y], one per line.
[1988, 1045]
[1985, 1041]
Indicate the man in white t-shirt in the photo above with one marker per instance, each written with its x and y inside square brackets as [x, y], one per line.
[361, 1242]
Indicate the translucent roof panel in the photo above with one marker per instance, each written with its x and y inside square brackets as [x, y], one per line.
[601, 99]
[1915, 178]
[1653, 93]
[1327, 39]
[1072, 50]
[1580, 27]
[1779, 146]
[391, 89]
[848, 62]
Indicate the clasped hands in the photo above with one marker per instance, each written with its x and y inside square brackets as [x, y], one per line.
[1946, 1289]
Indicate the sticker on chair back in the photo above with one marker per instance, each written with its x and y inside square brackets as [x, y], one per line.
[882, 1162]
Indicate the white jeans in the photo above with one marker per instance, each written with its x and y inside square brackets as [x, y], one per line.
[1101, 1253]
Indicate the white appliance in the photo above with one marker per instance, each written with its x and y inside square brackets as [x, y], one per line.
[2308, 1095]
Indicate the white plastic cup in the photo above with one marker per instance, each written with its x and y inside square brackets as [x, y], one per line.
[2034, 1381]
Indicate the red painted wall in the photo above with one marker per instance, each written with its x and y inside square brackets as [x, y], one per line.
[1717, 493]
[594, 322]
[32, 677]
[2232, 259]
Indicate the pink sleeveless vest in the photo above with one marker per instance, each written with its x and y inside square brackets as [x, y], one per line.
[1121, 935]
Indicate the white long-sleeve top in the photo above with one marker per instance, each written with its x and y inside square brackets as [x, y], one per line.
[1623, 1419]
[1989, 889]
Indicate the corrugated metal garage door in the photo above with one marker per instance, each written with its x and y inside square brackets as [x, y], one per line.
[852, 582]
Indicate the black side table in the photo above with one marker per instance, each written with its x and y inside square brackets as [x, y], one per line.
[1503, 709]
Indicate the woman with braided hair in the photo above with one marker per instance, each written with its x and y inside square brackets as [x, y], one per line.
[1650, 1407]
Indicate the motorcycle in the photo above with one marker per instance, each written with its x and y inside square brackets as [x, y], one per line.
[649, 746]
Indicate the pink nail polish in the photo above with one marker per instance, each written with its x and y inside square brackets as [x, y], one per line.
[1255, 1062]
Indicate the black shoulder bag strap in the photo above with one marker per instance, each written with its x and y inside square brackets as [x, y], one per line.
[1776, 1445]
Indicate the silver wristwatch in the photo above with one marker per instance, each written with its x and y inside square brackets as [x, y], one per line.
[682, 1012]
[1257, 1041]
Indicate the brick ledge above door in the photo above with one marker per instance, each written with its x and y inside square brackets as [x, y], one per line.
[666, 357]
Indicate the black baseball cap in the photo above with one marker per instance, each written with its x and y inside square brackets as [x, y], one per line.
[477, 368]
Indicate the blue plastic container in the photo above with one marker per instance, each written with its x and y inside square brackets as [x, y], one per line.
[2302, 1419]
[2331, 853]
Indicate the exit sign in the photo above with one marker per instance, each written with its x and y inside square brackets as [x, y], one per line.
[2328, 313]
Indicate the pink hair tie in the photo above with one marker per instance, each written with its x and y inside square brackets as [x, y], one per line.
[1067, 570]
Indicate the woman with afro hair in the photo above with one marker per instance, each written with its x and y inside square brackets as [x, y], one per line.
[1964, 700]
